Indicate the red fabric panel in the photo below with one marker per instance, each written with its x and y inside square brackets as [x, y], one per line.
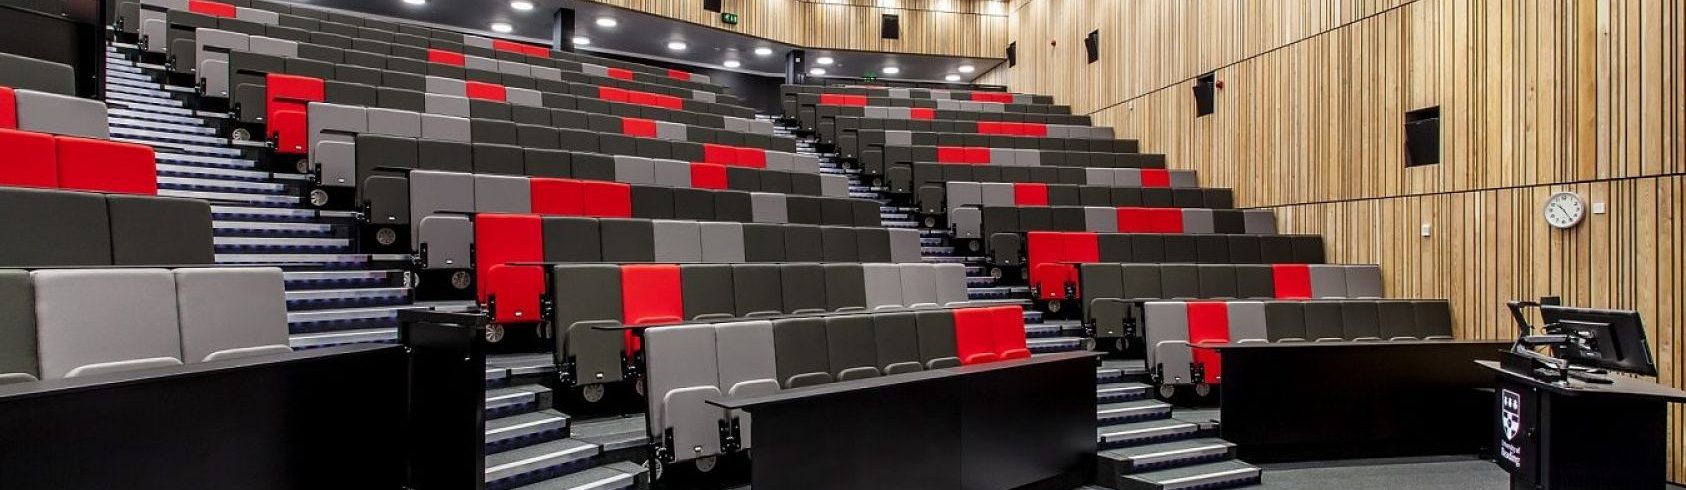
[651, 294]
[1009, 332]
[678, 75]
[1156, 177]
[1030, 194]
[752, 157]
[1051, 278]
[538, 51]
[606, 199]
[510, 46]
[632, 126]
[977, 155]
[951, 154]
[640, 98]
[1035, 129]
[619, 73]
[843, 100]
[106, 166]
[498, 240]
[8, 109]
[1292, 281]
[1150, 220]
[611, 94]
[556, 197]
[857, 100]
[1208, 322]
[831, 99]
[922, 113]
[446, 57]
[486, 91]
[720, 154]
[1082, 246]
[974, 339]
[1044, 252]
[671, 102]
[213, 9]
[708, 176]
[28, 160]
[288, 118]
[997, 97]
[991, 127]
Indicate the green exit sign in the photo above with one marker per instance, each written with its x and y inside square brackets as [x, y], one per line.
[729, 18]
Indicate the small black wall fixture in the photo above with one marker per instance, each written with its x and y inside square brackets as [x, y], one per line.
[1012, 54]
[1422, 136]
[1205, 94]
[892, 28]
[711, 5]
[1092, 45]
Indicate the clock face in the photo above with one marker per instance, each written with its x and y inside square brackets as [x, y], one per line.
[1564, 210]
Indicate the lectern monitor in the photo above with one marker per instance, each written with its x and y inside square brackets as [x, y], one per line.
[1607, 339]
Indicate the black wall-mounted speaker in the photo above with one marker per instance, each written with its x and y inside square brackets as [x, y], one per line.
[1012, 54]
[1422, 136]
[892, 28]
[1092, 45]
[711, 5]
[1205, 94]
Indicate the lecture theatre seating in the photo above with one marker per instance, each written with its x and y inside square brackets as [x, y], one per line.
[1054, 258]
[1111, 294]
[691, 364]
[853, 141]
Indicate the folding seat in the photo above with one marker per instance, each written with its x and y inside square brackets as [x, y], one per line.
[502, 194]
[1166, 331]
[1254, 281]
[1360, 321]
[839, 244]
[627, 240]
[1100, 219]
[722, 242]
[76, 231]
[78, 314]
[1285, 321]
[1197, 221]
[652, 294]
[1259, 221]
[883, 286]
[1276, 249]
[1217, 281]
[896, 342]
[652, 202]
[149, 230]
[904, 246]
[950, 284]
[1363, 281]
[1101, 298]
[45, 112]
[1434, 319]
[763, 242]
[671, 173]
[757, 289]
[586, 296]
[1179, 281]
[836, 211]
[683, 376]
[606, 199]
[967, 222]
[1308, 249]
[919, 284]
[569, 239]
[230, 313]
[769, 208]
[707, 291]
[1245, 249]
[1323, 321]
[802, 352]
[873, 244]
[212, 64]
[747, 365]
[1328, 281]
[851, 347]
[1397, 320]
[1247, 322]
[803, 243]
[974, 333]
[804, 290]
[803, 210]
[1008, 332]
[866, 213]
[514, 292]
[18, 362]
[1291, 281]
[34, 157]
[677, 241]
[1211, 249]
[24, 73]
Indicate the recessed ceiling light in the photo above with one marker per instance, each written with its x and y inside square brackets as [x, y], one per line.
[763, 51]
[967, 68]
[677, 45]
[607, 22]
[582, 40]
[732, 64]
[892, 70]
[816, 71]
[502, 27]
[522, 5]
[416, 2]
[824, 60]
[952, 77]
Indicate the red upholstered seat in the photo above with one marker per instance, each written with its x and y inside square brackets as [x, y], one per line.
[640, 98]
[651, 294]
[678, 75]
[922, 113]
[620, 73]
[288, 99]
[951, 154]
[843, 100]
[1208, 322]
[1156, 177]
[557, 197]
[1030, 194]
[720, 154]
[500, 239]
[606, 199]
[446, 57]
[1034, 129]
[213, 9]
[997, 97]
[106, 166]
[671, 102]
[515, 47]
[1150, 220]
[632, 126]
[28, 159]
[991, 127]
[537, 51]
[1009, 332]
[974, 335]
[611, 94]
[752, 157]
[1051, 257]
[486, 91]
[708, 176]
[8, 109]
[977, 155]
[1292, 281]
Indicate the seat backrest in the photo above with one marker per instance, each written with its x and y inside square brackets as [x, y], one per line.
[757, 289]
[682, 373]
[896, 337]
[48, 227]
[1143, 281]
[502, 194]
[1328, 281]
[974, 334]
[1165, 325]
[432, 191]
[1360, 321]
[627, 240]
[1285, 321]
[883, 286]
[18, 361]
[804, 288]
[1363, 281]
[1397, 320]
[1179, 281]
[950, 283]
[707, 290]
[21, 72]
[1254, 281]
[904, 245]
[937, 342]
[651, 294]
[1217, 281]
[571, 239]
[94, 321]
[1100, 281]
[228, 313]
[851, 346]
[746, 354]
[918, 285]
[845, 287]
[677, 242]
[722, 243]
[1434, 319]
[801, 351]
[1247, 322]
[1323, 321]
[1009, 332]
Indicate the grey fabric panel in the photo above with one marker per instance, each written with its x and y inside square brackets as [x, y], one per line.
[950, 283]
[677, 242]
[883, 286]
[683, 373]
[440, 191]
[1328, 281]
[896, 338]
[46, 112]
[569, 239]
[803, 288]
[395, 122]
[588, 293]
[904, 246]
[800, 352]
[851, 347]
[747, 365]
[936, 339]
[94, 316]
[1363, 281]
[757, 289]
[45, 227]
[23, 73]
[448, 240]
[230, 309]
[502, 194]
[722, 243]
[627, 240]
[708, 290]
[919, 284]
[147, 230]
[17, 324]
[1166, 325]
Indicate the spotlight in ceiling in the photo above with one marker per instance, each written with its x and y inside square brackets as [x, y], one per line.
[892, 70]
[581, 40]
[416, 2]
[607, 22]
[816, 71]
[522, 5]
[763, 51]
[952, 77]
[824, 60]
[732, 64]
[967, 68]
[502, 27]
[677, 45]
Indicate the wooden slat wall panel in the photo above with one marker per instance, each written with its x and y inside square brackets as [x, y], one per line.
[976, 28]
[1534, 96]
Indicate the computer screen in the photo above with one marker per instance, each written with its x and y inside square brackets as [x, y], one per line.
[1607, 339]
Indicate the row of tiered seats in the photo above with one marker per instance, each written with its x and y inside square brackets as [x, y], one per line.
[1054, 258]
[585, 297]
[826, 110]
[65, 323]
[1004, 230]
[692, 364]
[1110, 294]
[1177, 328]
[1028, 136]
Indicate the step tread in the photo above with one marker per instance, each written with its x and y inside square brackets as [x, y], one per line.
[614, 432]
[1163, 448]
[514, 423]
[1191, 474]
[598, 478]
[536, 456]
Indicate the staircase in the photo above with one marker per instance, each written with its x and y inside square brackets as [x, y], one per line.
[530, 445]
[259, 218]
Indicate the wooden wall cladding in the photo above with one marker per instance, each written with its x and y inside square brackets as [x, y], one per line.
[976, 28]
[1534, 97]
